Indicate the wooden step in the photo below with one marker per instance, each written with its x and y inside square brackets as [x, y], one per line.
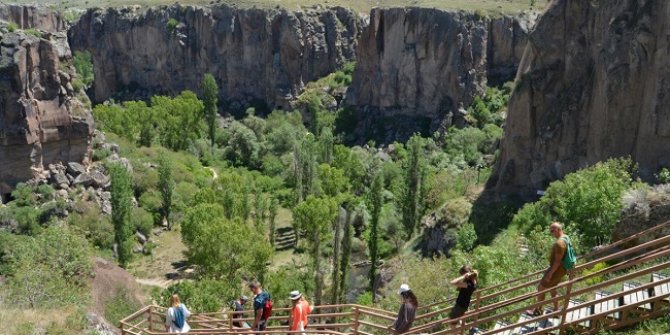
[662, 289]
[606, 305]
[527, 327]
[636, 296]
[502, 324]
[578, 314]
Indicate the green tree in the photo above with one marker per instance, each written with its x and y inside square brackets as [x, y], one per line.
[326, 145]
[122, 193]
[166, 186]
[83, 64]
[331, 180]
[304, 167]
[260, 207]
[214, 244]
[315, 216]
[376, 202]
[181, 119]
[273, 209]
[210, 94]
[347, 236]
[414, 170]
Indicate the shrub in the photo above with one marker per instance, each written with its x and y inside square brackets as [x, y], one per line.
[204, 295]
[83, 64]
[589, 199]
[120, 305]
[466, 237]
[12, 27]
[171, 25]
[142, 221]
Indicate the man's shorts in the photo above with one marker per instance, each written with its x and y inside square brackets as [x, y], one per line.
[555, 279]
[262, 324]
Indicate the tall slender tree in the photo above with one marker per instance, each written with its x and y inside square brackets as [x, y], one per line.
[210, 93]
[166, 186]
[410, 202]
[272, 216]
[347, 235]
[376, 202]
[337, 224]
[315, 216]
[122, 194]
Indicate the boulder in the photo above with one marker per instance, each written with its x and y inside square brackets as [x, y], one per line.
[83, 179]
[98, 180]
[75, 169]
[141, 237]
[59, 178]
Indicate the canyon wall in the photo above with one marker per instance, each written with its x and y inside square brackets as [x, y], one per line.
[43, 118]
[593, 84]
[256, 55]
[419, 68]
[33, 17]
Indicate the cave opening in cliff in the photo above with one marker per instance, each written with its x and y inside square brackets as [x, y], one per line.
[5, 198]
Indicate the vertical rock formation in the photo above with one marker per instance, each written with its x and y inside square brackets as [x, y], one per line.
[255, 54]
[594, 83]
[41, 119]
[33, 17]
[417, 67]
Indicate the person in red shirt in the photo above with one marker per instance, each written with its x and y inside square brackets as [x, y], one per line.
[301, 309]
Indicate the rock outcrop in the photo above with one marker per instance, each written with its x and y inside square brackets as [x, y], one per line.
[593, 84]
[256, 55]
[42, 119]
[418, 67]
[33, 17]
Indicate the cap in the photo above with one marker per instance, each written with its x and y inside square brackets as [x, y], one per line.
[244, 297]
[295, 295]
[403, 288]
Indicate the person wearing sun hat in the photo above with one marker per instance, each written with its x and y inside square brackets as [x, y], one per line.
[407, 311]
[299, 311]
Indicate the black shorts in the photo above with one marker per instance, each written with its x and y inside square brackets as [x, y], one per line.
[457, 312]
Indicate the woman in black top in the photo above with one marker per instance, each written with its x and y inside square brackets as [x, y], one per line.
[407, 311]
[467, 284]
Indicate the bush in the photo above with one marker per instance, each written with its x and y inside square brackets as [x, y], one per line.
[83, 64]
[12, 27]
[96, 227]
[203, 296]
[589, 200]
[143, 221]
[120, 305]
[466, 237]
[171, 25]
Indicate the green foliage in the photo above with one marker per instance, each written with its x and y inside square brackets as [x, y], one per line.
[48, 270]
[12, 27]
[171, 25]
[83, 64]
[470, 144]
[202, 296]
[210, 99]
[121, 210]
[589, 200]
[376, 202]
[663, 176]
[224, 248]
[466, 237]
[595, 279]
[488, 110]
[165, 186]
[411, 199]
[142, 221]
[345, 256]
[282, 281]
[120, 306]
[33, 32]
[97, 228]
[241, 145]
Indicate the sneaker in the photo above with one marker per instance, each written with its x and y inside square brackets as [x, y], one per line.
[534, 312]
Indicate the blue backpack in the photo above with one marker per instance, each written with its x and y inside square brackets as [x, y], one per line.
[178, 317]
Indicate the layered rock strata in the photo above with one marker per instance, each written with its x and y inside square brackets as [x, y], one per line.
[256, 55]
[417, 68]
[42, 119]
[33, 17]
[593, 84]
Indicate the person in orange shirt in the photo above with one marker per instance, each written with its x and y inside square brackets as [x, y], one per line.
[301, 308]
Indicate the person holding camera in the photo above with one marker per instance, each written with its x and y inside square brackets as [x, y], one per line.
[466, 284]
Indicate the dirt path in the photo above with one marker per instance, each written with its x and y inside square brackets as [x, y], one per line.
[215, 175]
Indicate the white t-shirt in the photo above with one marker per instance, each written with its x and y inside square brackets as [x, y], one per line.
[169, 320]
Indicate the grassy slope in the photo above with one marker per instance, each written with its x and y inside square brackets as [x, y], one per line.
[508, 6]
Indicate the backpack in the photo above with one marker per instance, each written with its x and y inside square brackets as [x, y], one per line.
[267, 309]
[178, 317]
[570, 258]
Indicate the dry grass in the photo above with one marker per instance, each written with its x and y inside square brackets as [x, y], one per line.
[364, 6]
[167, 258]
[24, 321]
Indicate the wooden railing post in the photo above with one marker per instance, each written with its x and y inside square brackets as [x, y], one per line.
[149, 317]
[566, 302]
[357, 313]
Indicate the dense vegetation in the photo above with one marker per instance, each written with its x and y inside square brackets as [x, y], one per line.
[221, 183]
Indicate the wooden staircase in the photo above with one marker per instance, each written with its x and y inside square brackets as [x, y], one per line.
[285, 238]
[635, 286]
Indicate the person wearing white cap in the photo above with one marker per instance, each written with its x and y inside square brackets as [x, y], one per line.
[407, 311]
[238, 311]
[298, 318]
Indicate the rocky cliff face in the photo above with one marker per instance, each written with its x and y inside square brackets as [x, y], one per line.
[255, 54]
[33, 17]
[417, 67]
[41, 119]
[593, 84]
